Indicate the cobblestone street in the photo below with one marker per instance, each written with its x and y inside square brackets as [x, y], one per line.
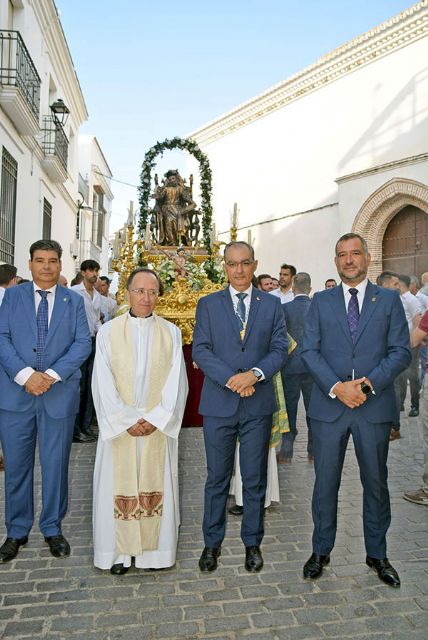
[47, 598]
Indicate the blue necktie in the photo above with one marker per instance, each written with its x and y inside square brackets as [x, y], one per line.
[353, 313]
[42, 327]
[240, 309]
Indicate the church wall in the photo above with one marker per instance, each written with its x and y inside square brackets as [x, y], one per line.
[288, 161]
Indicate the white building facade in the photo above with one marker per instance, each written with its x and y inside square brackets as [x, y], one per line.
[340, 146]
[41, 110]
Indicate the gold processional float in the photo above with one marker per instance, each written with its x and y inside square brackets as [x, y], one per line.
[175, 238]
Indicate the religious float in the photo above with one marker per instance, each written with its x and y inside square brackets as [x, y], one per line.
[178, 240]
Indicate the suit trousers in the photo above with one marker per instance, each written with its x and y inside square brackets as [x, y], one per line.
[412, 375]
[295, 384]
[19, 432]
[86, 407]
[371, 442]
[220, 435]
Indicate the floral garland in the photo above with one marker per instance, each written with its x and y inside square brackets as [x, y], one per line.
[205, 184]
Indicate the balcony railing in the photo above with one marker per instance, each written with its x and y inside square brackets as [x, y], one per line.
[17, 69]
[54, 141]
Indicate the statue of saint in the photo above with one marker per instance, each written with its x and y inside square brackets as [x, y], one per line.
[173, 205]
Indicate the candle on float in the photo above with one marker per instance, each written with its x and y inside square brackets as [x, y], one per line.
[235, 215]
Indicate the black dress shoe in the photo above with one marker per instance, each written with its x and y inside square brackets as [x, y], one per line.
[314, 566]
[208, 559]
[82, 437]
[58, 546]
[10, 547]
[118, 569]
[236, 510]
[253, 559]
[385, 571]
[414, 412]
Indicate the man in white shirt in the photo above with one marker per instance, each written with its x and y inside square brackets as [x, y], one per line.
[108, 304]
[92, 299]
[413, 311]
[415, 288]
[285, 291]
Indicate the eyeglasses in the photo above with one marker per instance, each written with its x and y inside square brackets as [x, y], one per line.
[244, 263]
[152, 293]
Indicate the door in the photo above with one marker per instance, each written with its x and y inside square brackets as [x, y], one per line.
[405, 243]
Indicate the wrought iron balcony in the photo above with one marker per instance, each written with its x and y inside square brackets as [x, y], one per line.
[55, 148]
[19, 83]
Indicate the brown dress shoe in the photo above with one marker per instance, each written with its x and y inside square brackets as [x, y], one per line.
[1, 463]
[394, 434]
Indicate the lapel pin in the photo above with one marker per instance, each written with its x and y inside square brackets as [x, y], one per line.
[65, 299]
[257, 298]
[373, 299]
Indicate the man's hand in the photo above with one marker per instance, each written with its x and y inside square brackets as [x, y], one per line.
[350, 392]
[247, 392]
[241, 381]
[38, 383]
[141, 428]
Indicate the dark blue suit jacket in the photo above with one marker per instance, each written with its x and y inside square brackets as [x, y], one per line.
[295, 314]
[381, 351]
[68, 344]
[220, 353]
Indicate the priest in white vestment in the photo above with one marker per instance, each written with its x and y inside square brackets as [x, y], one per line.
[140, 387]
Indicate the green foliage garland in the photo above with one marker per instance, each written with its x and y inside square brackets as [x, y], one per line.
[205, 184]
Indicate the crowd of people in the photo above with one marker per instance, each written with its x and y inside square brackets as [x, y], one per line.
[73, 369]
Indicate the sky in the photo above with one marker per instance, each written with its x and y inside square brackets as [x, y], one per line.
[151, 70]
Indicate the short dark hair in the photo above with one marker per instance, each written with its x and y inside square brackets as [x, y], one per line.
[105, 279]
[302, 282]
[404, 279]
[239, 243]
[7, 274]
[89, 265]
[263, 276]
[385, 276]
[351, 236]
[330, 280]
[76, 280]
[145, 270]
[46, 245]
[290, 267]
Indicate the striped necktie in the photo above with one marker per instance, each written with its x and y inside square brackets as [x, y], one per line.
[241, 311]
[353, 313]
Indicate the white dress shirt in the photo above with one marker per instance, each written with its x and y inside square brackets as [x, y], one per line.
[23, 375]
[412, 307]
[92, 307]
[247, 301]
[2, 291]
[284, 297]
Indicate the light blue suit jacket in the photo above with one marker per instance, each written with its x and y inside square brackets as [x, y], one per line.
[220, 353]
[380, 352]
[68, 344]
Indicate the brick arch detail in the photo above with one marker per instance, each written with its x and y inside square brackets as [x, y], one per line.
[379, 209]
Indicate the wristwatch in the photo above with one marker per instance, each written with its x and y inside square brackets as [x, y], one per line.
[257, 373]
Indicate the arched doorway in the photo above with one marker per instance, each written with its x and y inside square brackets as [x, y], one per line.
[405, 242]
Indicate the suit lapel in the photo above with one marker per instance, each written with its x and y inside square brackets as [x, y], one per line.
[62, 300]
[27, 290]
[255, 306]
[369, 305]
[230, 312]
[337, 302]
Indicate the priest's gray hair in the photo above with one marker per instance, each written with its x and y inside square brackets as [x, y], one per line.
[144, 270]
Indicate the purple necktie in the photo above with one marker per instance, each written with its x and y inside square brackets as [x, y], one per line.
[42, 327]
[353, 313]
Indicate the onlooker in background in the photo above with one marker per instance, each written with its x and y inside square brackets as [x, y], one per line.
[412, 309]
[92, 299]
[275, 283]
[295, 377]
[62, 280]
[424, 281]
[388, 280]
[7, 279]
[286, 275]
[418, 337]
[264, 282]
[415, 288]
[77, 279]
[330, 283]
[44, 339]
[108, 304]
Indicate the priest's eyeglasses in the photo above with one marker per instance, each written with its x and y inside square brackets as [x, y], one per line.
[244, 264]
[152, 293]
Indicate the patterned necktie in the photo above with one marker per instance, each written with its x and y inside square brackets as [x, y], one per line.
[353, 313]
[240, 309]
[42, 326]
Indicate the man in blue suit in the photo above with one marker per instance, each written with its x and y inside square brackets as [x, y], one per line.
[295, 378]
[44, 338]
[356, 342]
[239, 343]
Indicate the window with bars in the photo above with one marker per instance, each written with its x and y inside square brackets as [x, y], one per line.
[9, 179]
[47, 219]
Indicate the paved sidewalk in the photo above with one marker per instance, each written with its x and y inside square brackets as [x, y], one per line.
[42, 597]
